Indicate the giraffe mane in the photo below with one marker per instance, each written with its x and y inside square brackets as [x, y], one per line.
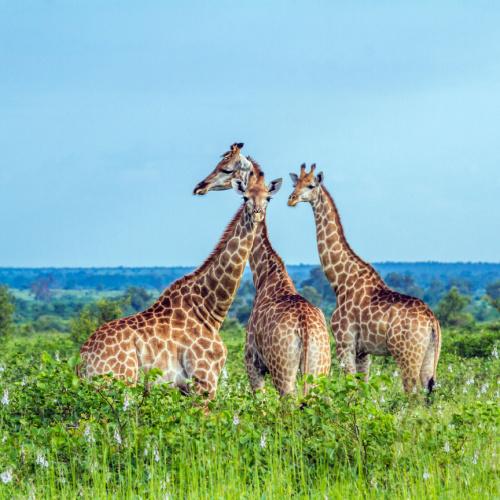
[256, 166]
[343, 238]
[271, 249]
[216, 251]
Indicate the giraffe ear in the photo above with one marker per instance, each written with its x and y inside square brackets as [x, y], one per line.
[238, 186]
[320, 178]
[295, 178]
[274, 186]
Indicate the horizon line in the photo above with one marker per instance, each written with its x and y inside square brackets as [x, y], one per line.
[415, 262]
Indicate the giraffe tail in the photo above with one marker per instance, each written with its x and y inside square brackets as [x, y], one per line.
[436, 339]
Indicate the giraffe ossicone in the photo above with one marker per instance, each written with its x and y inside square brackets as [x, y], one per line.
[369, 318]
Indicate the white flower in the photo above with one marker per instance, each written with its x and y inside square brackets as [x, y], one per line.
[494, 353]
[225, 376]
[87, 433]
[41, 460]
[446, 447]
[236, 420]
[5, 397]
[475, 457]
[263, 440]
[395, 374]
[450, 368]
[2, 368]
[484, 388]
[117, 437]
[382, 400]
[6, 476]
[57, 358]
[469, 381]
[24, 381]
[426, 475]
[156, 454]
[464, 390]
[126, 403]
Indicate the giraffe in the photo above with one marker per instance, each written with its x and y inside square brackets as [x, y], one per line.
[179, 333]
[370, 318]
[285, 333]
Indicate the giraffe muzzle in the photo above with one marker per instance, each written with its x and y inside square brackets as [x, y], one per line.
[201, 188]
[258, 216]
[292, 201]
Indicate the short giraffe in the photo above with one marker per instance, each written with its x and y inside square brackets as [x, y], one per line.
[179, 334]
[285, 332]
[370, 318]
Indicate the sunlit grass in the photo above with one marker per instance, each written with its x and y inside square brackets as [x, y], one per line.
[61, 438]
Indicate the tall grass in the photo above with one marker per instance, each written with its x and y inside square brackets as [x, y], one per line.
[61, 438]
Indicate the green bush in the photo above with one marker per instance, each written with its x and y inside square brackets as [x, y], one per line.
[480, 343]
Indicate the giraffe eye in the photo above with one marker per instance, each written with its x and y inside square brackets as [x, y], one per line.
[226, 171]
[268, 198]
[311, 186]
[245, 198]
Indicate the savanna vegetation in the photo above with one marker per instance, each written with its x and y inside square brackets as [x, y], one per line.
[63, 437]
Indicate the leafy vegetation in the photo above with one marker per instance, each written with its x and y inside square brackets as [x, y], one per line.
[61, 437]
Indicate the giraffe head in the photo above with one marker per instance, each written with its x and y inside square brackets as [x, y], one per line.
[306, 185]
[233, 165]
[256, 194]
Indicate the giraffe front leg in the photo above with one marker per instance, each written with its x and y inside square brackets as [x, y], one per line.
[204, 367]
[256, 369]
[363, 362]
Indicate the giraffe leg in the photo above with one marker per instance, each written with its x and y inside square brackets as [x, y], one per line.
[204, 367]
[408, 351]
[345, 341]
[256, 369]
[284, 364]
[363, 362]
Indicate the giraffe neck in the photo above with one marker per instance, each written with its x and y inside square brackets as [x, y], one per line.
[340, 263]
[268, 269]
[210, 290]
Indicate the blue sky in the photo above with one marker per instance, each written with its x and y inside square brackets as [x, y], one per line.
[109, 115]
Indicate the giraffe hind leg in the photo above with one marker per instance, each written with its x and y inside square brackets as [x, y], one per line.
[363, 362]
[427, 369]
[256, 369]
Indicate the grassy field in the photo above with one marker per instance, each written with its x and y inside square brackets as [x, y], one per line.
[63, 438]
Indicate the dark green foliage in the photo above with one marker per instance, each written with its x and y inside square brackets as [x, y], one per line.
[312, 295]
[451, 310]
[93, 316]
[468, 344]
[6, 311]
[138, 298]
[404, 283]
[493, 294]
[41, 287]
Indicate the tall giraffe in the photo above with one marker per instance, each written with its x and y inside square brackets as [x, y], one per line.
[370, 318]
[179, 333]
[285, 332]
